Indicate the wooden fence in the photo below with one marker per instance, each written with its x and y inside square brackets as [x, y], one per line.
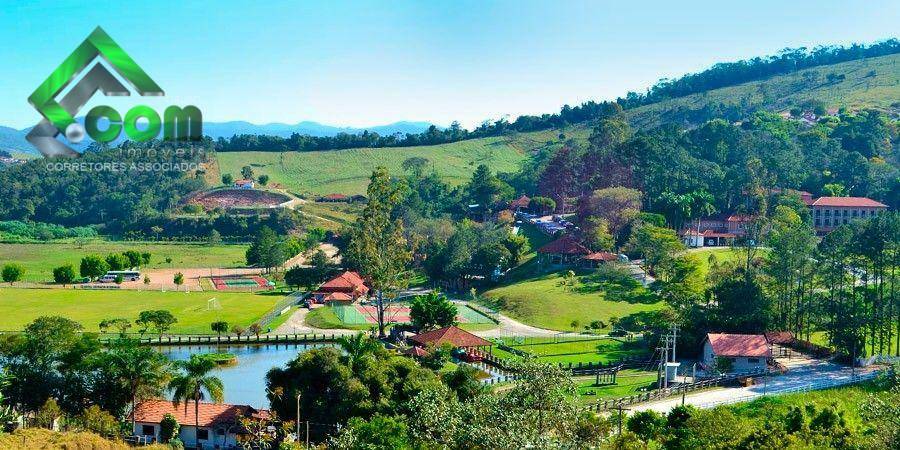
[229, 339]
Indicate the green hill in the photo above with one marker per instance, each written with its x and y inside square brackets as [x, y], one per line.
[865, 83]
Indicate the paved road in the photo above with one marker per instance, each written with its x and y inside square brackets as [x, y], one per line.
[811, 374]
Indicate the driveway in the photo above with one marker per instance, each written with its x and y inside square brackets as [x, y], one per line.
[809, 375]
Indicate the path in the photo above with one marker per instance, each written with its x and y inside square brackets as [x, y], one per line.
[511, 327]
[813, 375]
[300, 260]
[296, 324]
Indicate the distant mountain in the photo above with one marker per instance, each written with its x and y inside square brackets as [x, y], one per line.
[14, 140]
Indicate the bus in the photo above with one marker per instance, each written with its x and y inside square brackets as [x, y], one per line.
[127, 275]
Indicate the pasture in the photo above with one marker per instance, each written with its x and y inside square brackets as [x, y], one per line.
[545, 301]
[18, 307]
[39, 259]
[574, 350]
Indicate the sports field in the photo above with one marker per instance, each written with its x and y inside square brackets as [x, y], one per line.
[367, 314]
[39, 259]
[18, 307]
[573, 350]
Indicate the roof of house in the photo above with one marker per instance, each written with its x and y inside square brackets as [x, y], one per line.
[521, 202]
[601, 256]
[452, 335]
[739, 218]
[336, 296]
[209, 414]
[346, 281]
[779, 337]
[566, 245]
[335, 197]
[848, 202]
[244, 181]
[414, 351]
[754, 345]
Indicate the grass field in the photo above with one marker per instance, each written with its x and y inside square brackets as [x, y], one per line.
[543, 301]
[18, 307]
[348, 171]
[573, 350]
[628, 382]
[39, 259]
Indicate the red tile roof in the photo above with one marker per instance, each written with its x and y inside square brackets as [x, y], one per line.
[848, 202]
[152, 411]
[521, 202]
[753, 345]
[335, 197]
[779, 337]
[244, 181]
[602, 256]
[417, 352]
[345, 282]
[452, 335]
[566, 245]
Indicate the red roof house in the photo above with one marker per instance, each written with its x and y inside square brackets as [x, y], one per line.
[349, 285]
[455, 336]
[218, 422]
[746, 352]
[565, 250]
[519, 203]
[848, 202]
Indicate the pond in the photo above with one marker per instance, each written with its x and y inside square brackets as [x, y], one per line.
[245, 382]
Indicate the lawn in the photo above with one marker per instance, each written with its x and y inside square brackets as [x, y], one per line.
[720, 254]
[18, 307]
[544, 301]
[348, 171]
[39, 259]
[628, 382]
[573, 350]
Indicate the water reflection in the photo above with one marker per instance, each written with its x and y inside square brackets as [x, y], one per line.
[245, 382]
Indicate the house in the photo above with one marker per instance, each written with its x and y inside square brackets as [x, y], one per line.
[345, 288]
[708, 238]
[747, 352]
[219, 423]
[333, 198]
[829, 213]
[453, 335]
[563, 251]
[738, 224]
[519, 203]
[244, 184]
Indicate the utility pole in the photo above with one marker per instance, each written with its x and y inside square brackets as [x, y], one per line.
[621, 418]
[298, 416]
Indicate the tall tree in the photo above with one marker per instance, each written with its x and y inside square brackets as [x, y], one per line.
[377, 245]
[193, 382]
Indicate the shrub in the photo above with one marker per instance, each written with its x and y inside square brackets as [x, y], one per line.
[168, 428]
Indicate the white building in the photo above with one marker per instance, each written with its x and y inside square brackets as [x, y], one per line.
[746, 352]
[219, 423]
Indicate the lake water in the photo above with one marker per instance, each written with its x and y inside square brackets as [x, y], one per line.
[245, 382]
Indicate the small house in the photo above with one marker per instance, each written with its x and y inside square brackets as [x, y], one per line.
[743, 352]
[244, 184]
[345, 288]
[219, 423]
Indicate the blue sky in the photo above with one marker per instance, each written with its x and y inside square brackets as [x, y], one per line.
[367, 63]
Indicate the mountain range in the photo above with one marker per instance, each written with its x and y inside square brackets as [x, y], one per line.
[13, 140]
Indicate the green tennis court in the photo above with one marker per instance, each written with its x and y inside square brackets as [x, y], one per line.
[366, 314]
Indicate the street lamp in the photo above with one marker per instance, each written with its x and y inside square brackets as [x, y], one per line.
[298, 417]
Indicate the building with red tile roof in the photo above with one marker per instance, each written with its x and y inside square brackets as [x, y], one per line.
[346, 285]
[453, 335]
[831, 212]
[747, 352]
[565, 250]
[219, 423]
[519, 203]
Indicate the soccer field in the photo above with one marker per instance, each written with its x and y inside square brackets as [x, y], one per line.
[39, 259]
[18, 307]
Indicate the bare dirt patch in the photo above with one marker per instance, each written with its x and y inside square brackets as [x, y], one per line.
[239, 198]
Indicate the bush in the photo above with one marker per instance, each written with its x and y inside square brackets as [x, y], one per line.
[64, 274]
[98, 421]
[168, 428]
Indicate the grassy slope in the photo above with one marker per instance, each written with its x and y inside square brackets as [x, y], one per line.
[543, 302]
[628, 382]
[574, 350]
[347, 171]
[39, 259]
[858, 90]
[18, 307]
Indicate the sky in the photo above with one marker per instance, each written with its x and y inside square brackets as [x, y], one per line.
[368, 63]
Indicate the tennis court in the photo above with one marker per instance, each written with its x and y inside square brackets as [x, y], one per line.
[239, 282]
[367, 314]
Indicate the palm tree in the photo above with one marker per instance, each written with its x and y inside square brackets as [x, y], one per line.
[144, 370]
[194, 382]
[357, 347]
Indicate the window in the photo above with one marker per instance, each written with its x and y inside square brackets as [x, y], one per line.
[818, 222]
[220, 432]
[148, 430]
[855, 213]
[202, 435]
[818, 212]
[845, 213]
[752, 360]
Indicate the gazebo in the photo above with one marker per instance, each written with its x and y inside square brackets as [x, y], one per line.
[563, 251]
[453, 335]
[595, 259]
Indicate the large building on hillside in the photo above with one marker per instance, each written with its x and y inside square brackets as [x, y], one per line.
[829, 213]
